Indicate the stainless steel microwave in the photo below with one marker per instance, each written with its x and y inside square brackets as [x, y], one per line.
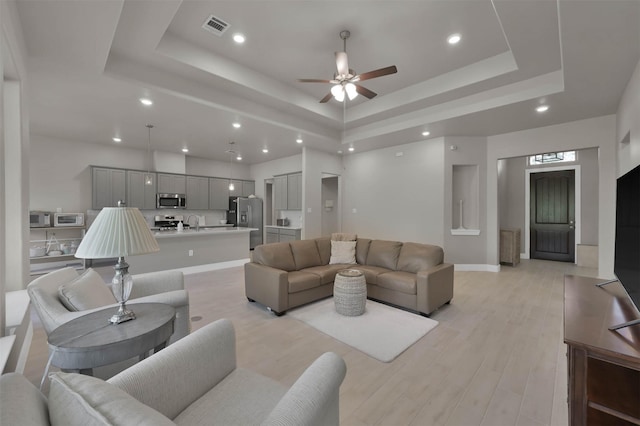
[171, 201]
[39, 219]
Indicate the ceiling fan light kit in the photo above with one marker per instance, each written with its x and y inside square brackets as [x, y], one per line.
[345, 79]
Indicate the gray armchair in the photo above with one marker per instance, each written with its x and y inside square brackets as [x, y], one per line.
[154, 287]
[193, 382]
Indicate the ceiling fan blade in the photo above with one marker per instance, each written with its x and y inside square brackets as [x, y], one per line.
[313, 80]
[365, 92]
[342, 63]
[326, 98]
[377, 73]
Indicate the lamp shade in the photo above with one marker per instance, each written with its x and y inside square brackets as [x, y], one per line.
[117, 232]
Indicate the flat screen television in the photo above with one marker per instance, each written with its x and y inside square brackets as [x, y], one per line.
[627, 246]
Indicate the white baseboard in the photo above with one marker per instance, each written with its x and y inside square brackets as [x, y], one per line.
[477, 268]
[524, 255]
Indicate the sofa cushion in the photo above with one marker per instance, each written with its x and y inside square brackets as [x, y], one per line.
[301, 281]
[362, 249]
[276, 255]
[75, 399]
[384, 254]
[416, 257]
[21, 403]
[324, 249]
[327, 273]
[342, 236]
[371, 272]
[221, 405]
[88, 291]
[404, 282]
[305, 253]
[343, 252]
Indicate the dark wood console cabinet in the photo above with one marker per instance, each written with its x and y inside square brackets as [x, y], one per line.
[604, 365]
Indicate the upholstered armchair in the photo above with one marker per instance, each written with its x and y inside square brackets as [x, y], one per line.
[193, 382]
[63, 295]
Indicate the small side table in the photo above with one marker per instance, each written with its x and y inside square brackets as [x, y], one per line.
[91, 341]
[350, 292]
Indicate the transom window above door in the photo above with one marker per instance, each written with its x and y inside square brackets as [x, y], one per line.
[552, 157]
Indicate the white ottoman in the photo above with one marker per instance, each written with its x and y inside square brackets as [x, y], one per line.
[350, 292]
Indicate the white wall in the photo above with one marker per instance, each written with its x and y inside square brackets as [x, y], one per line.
[204, 167]
[396, 197]
[597, 132]
[628, 122]
[267, 170]
[314, 165]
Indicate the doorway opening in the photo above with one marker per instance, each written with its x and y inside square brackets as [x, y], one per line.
[330, 205]
[552, 225]
[268, 202]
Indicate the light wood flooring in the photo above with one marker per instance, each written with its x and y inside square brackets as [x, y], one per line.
[496, 358]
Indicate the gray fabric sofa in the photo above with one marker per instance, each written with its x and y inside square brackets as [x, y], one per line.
[192, 382]
[413, 276]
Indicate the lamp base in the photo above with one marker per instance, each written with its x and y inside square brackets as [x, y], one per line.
[122, 315]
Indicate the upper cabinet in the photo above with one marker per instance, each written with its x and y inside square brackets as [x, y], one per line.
[294, 191]
[197, 193]
[171, 184]
[237, 188]
[218, 194]
[288, 191]
[108, 187]
[139, 194]
[248, 188]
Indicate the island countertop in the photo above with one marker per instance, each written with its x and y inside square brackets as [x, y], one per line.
[295, 228]
[203, 232]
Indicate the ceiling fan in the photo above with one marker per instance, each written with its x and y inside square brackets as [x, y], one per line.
[345, 79]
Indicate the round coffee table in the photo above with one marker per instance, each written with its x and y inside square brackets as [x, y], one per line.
[91, 340]
[350, 292]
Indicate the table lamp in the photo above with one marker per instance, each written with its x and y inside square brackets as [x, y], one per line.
[118, 232]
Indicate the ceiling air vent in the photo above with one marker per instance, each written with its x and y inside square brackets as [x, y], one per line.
[215, 25]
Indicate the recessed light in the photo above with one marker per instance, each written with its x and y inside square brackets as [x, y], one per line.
[145, 101]
[239, 38]
[239, 157]
[351, 149]
[298, 140]
[116, 139]
[340, 152]
[185, 149]
[426, 133]
[542, 108]
[265, 150]
[237, 125]
[454, 38]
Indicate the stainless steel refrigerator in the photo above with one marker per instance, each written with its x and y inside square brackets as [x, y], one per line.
[247, 213]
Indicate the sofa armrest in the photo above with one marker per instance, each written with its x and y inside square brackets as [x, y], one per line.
[21, 403]
[156, 282]
[435, 287]
[174, 378]
[314, 397]
[267, 285]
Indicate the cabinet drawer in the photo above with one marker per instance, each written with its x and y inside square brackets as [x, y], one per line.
[289, 232]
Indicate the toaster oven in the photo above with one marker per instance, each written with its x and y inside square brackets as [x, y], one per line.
[68, 219]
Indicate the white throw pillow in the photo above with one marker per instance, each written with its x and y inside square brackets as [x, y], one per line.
[342, 252]
[75, 399]
[88, 291]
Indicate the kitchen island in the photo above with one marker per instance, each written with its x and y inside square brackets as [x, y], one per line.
[180, 249]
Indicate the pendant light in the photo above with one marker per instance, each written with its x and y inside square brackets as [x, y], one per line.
[148, 178]
[231, 153]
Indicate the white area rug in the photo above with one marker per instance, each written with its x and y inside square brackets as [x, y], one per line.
[382, 332]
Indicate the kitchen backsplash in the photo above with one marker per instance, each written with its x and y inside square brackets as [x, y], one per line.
[294, 216]
[210, 217]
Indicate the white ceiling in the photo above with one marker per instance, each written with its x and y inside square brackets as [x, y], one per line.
[90, 61]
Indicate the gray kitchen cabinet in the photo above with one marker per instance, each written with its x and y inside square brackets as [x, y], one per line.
[248, 188]
[171, 183]
[218, 194]
[108, 187]
[275, 235]
[294, 191]
[280, 192]
[197, 193]
[237, 188]
[139, 194]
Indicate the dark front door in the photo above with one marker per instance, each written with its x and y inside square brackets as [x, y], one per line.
[553, 215]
